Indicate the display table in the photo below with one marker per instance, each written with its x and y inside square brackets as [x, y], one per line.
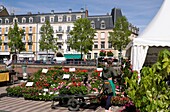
[4, 77]
[7, 76]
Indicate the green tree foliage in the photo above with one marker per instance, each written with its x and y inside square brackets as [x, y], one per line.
[82, 36]
[152, 94]
[15, 36]
[47, 41]
[120, 35]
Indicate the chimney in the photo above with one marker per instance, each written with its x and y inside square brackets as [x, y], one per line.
[87, 13]
[70, 10]
[52, 11]
[82, 9]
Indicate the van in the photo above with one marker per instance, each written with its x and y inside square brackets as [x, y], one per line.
[58, 60]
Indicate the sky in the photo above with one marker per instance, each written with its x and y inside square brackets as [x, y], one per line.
[138, 12]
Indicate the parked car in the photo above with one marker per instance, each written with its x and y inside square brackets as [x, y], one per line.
[56, 60]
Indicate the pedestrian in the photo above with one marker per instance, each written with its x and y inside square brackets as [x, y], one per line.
[8, 64]
[108, 75]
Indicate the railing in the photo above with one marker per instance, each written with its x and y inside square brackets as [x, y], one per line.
[41, 62]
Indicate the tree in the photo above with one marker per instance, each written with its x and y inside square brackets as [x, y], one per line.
[120, 35]
[15, 36]
[152, 94]
[47, 41]
[82, 36]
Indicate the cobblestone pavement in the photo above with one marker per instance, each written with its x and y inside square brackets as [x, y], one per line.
[19, 104]
[12, 104]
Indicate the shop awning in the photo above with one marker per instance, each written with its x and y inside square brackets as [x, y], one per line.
[72, 56]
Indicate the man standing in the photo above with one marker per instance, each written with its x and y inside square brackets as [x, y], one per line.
[108, 75]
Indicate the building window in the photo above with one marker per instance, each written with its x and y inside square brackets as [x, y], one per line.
[73, 17]
[102, 35]
[23, 38]
[23, 28]
[102, 26]
[30, 29]
[95, 55]
[59, 28]
[42, 19]
[15, 20]
[88, 55]
[68, 37]
[59, 36]
[23, 20]
[6, 21]
[68, 29]
[30, 47]
[102, 45]
[1, 21]
[6, 47]
[60, 19]
[68, 48]
[109, 45]
[6, 38]
[30, 20]
[6, 29]
[52, 19]
[30, 38]
[68, 19]
[59, 46]
[95, 46]
[93, 24]
[64, 18]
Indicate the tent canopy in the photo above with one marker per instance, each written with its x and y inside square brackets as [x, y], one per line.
[156, 34]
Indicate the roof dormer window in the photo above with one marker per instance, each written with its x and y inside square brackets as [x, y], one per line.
[23, 20]
[52, 19]
[15, 20]
[93, 24]
[6, 20]
[102, 25]
[30, 20]
[42, 19]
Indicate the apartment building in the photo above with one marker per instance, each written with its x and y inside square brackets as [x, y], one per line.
[62, 23]
[103, 25]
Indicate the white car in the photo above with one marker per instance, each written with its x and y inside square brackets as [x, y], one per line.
[59, 59]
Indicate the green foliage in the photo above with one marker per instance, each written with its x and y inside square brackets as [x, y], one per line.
[15, 36]
[47, 41]
[82, 36]
[120, 35]
[152, 94]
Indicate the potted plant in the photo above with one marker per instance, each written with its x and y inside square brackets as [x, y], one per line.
[110, 53]
[102, 53]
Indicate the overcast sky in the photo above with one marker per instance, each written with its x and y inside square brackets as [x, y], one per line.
[138, 12]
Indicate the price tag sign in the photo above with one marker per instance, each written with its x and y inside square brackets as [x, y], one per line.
[44, 70]
[66, 76]
[29, 84]
[72, 69]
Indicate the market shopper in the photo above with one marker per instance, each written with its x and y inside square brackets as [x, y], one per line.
[8, 64]
[108, 76]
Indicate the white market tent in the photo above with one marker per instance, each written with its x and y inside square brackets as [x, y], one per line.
[156, 35]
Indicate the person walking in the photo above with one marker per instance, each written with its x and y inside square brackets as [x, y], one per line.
[108, 75]
[8, 64]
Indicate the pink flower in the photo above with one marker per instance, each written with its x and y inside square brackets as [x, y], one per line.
[117, 87]
[55, 89]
